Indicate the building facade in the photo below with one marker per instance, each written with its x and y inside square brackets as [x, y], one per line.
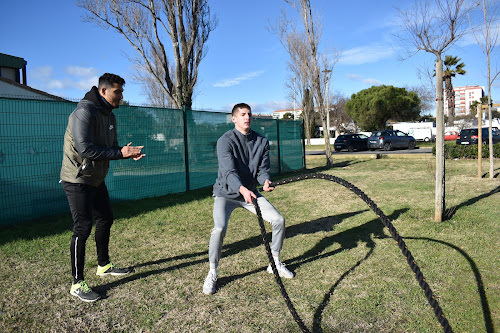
[464, 96]
[13, 82]
[278, 114]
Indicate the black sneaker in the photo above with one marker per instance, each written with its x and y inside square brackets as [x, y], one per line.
[83, 292]
[111, 269]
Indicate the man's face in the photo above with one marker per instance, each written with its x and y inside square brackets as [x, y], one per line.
[243, 120]
[113, 94]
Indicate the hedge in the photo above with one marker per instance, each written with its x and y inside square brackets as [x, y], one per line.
[452, 151]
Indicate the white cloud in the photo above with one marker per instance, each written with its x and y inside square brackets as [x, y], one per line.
[80, 71]
[366, 54]
[85, 83]
[355, 77]
[42, 73]
[369, 81]
[237, 80]
[54, 84]
[268, 107]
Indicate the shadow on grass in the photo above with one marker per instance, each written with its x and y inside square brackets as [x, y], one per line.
[54, 225]
[451, 211]
[51, 225]
[323, 224]
[495, 175]
[348, 239]
[488, 323]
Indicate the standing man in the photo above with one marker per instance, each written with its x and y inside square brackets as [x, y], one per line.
[243, 156]
[89, 144]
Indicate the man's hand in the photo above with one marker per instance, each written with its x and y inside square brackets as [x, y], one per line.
[247, 194]
[267, 186]
[134, 152]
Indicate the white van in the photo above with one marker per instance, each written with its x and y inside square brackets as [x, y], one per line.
[422, 134]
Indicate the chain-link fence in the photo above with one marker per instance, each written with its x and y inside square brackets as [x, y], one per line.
[180, 148]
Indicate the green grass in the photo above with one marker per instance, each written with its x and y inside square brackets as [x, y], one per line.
[351, 276]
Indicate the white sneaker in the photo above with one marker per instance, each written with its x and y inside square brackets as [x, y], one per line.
[209, 285]
[282, 270]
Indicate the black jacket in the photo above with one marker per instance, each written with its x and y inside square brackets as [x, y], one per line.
[90, 141]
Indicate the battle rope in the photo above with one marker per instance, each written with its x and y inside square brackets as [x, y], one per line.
[438, 312]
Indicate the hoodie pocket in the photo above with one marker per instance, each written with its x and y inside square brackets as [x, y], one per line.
[86, 169]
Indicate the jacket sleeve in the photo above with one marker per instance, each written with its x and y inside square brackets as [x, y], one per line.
[265, 164]
[115, 137]
[227, 165]
[83, 129]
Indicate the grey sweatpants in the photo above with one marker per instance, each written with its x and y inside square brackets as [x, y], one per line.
[223, 207]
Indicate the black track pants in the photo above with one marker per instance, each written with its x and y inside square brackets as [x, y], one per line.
[87, 202]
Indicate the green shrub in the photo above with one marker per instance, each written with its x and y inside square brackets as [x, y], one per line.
[453, 151]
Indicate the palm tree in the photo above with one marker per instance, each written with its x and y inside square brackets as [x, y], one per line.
[453, 66]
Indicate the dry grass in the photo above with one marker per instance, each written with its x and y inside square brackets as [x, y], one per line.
[351, 276]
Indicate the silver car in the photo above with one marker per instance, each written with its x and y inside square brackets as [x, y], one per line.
[390, 139]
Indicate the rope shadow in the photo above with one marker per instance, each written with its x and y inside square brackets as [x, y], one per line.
[438, 312]
[366, 233]
[495, 175]
[488, 322]
[450, 212]
[321, 224]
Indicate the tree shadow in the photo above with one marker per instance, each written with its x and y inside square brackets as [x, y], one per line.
[323, 224]
[347, 240]
[451, 211]
[54, 225]
[488, 322]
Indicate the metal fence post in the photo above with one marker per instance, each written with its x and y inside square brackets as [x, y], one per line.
[279, 145]
[186, 148]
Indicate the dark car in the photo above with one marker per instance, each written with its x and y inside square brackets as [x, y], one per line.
[469, 136]
[390, 139]
[351, 142]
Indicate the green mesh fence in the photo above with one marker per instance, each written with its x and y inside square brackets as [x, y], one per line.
[180, 150]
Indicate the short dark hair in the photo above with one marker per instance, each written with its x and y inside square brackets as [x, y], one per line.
[108, 80]
[240, 106]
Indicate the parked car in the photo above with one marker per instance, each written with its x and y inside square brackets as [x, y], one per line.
[390, 139]
[470, 136]
[450, 135]
[351, 142]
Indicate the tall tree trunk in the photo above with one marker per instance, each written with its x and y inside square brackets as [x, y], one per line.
[480, 141]
[440, 163]
[490, 131]
[450, 97]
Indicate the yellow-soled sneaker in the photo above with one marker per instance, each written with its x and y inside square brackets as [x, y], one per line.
[111, 269]
[83, 292]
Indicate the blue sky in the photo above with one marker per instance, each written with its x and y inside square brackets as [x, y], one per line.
[244, 63]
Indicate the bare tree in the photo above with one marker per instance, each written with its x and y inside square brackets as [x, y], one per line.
[426, 95]
[308, 114]
[434, 26]
[296, 45]
[145, 24]
[319, 62]
[152, 89]
[341, 119]
[486, 34]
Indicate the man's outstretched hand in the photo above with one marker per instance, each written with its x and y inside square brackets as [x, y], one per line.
[133, 152]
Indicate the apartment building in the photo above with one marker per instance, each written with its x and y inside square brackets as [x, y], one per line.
[464, 96]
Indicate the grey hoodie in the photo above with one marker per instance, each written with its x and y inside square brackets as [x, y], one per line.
[243, 160]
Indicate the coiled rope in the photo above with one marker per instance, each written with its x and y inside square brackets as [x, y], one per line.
[438, 312]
